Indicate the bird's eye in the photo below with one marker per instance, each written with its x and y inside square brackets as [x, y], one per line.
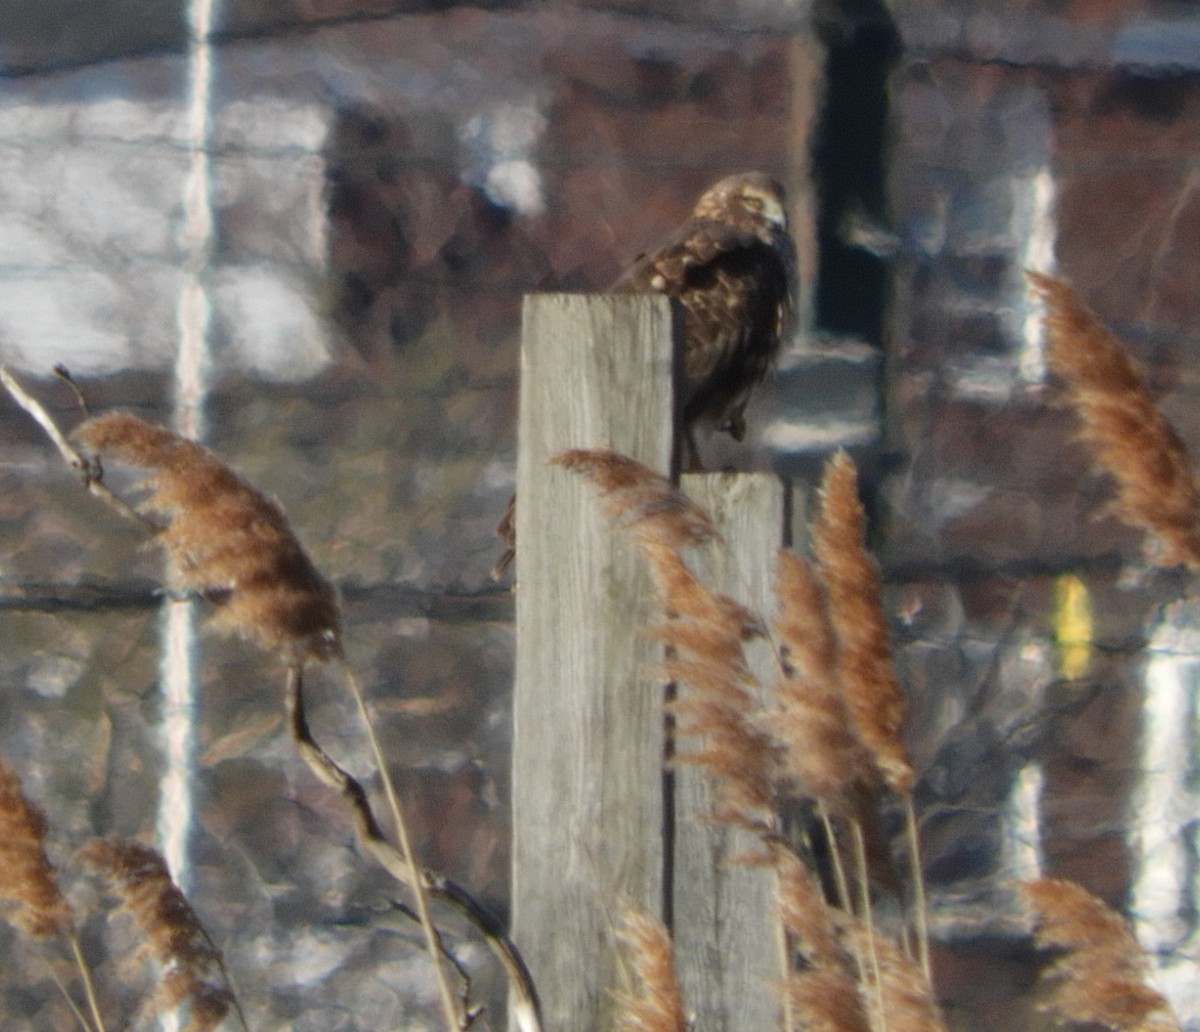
[754, 202]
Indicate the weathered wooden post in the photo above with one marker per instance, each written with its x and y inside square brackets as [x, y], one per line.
[588, 724]
[728, 955]
[590, 819]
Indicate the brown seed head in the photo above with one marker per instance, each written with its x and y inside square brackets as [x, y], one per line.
[227, 540]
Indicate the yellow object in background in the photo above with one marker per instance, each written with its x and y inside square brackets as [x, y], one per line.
[1072, 626]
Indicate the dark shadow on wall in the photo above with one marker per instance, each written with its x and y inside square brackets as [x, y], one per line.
[54, 35]
[849, 158]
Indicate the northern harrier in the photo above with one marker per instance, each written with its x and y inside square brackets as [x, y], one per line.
[731, 265]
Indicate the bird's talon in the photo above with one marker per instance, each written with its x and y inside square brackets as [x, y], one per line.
[90, 470]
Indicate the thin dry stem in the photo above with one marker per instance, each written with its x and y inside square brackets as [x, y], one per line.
[227, 540]
[919, 905]
[904, 992]
[868, 946]
[193, 972]
[653, 1003]
[840, 882]
[523, 1003]
[805, 913]
[1155, 486]
[420, 894]
[824, 992]
[1101, 973]
[852, 581]
[96, 1021]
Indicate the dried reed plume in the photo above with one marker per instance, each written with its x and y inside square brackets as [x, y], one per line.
[1155, 488]
[27, 877]
[806, 916]
[704, 633]
[653, 1003]
[852, 580]
[746, 750]
[232, 543]
[638, 499]
[823, 752]
[1101, 975]
[193, 973]
[907, 1002]
[865, 675]
[227, 540]
[827, 1000]
[823, 992]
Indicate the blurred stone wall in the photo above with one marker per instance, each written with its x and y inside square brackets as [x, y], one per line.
[1057, 136]
[384, 184]
[386, 180]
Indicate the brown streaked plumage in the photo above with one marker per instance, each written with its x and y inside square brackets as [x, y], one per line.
[731, 266]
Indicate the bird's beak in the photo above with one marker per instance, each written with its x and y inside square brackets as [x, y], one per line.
[775, 214]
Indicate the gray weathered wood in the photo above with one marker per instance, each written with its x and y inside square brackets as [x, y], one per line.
[726, 946]
[588, 722]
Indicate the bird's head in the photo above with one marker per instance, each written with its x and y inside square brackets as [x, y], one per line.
[748, 199]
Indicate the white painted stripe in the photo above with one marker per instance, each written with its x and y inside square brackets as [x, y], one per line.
[1038, 255]
[1165, 812]
[177, 644]
[1023, 859]
[1163, 806]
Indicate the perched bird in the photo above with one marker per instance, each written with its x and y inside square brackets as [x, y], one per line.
[732, 266]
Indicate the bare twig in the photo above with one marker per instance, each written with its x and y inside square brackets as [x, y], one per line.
[88, 468]
[525, 1005]
[64, 374]
[416, 883]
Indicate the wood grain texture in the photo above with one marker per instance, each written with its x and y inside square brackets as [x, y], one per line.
[726, 930]
[588, 722]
